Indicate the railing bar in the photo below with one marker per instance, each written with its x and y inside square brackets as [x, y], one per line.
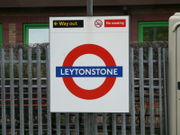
[12, 91]
[105, 132]
[34, 79]
[132, 94]
[24, 61]
[21, 92]
[151, 91]
[77, 123]
[141, 76]
[123, 124]
[24, 86]
[165, 89]
[114, 126]
[160, 91]
[39, 91]
[67, 124]
[25, 79]
[45, 86]
[3, 95]
[30, 91]
[58, 123]
[86, 129]
[95, 123]
[48, 90]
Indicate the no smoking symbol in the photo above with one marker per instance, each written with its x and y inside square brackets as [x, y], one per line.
[98, 23]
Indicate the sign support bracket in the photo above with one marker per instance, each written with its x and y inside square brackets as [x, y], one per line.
[90, 13]
[89, 6]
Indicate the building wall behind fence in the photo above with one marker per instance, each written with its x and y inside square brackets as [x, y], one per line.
[13, 19]
[24, 96]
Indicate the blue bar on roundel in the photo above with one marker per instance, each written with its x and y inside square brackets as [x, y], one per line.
[89, 71]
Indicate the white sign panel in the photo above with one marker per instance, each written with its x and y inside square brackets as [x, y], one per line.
[89, 64]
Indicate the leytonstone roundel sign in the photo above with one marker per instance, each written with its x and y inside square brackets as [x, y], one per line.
[89, 64]
[110, 71]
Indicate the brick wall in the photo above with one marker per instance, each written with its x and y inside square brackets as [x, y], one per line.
[12, 33]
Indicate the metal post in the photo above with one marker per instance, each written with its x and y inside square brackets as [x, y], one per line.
[89, 7]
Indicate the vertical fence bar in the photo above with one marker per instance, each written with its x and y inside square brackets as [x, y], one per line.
[160, 91]
[94, 122]
[39, 91]
[114, 131]
[77, 123]
[86, 129]
[48, 90]
[21, 92]
[30, 91]
[105, 132]
[58, 124]
[151, 90]
[3, 93]
[141, 83]
[90, 131]
[91, 123]
[67, 124]
[12, 91]
[132, 94]
[123, 124]
[165, 90]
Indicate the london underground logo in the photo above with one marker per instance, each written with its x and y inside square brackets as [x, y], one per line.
[67, 71]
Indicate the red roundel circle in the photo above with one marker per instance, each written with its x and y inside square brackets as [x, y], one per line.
[105, 87]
